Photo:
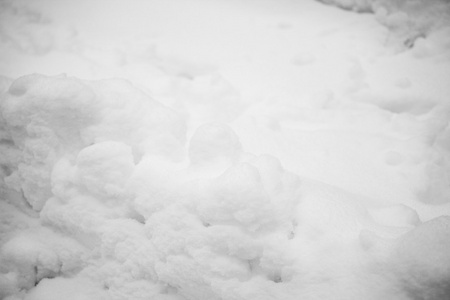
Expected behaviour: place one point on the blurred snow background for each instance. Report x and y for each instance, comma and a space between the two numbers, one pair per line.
224, 149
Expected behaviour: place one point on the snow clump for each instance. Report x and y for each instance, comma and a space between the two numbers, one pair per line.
124, 204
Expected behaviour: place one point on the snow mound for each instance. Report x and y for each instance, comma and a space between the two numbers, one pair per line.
51, 118
127, 205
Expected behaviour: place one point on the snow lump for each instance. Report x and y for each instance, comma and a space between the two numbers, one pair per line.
121, 203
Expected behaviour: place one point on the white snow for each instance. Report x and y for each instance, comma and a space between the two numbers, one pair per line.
224, 150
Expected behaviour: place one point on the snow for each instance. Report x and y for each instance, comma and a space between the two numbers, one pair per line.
224, 150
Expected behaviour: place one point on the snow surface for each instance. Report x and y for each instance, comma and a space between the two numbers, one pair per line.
218, 150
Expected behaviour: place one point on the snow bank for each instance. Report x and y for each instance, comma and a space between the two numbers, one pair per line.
133, 208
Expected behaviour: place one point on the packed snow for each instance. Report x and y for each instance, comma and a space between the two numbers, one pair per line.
225, 149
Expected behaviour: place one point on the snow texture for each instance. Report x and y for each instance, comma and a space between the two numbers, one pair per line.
223, 226
408, 20
308, 162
